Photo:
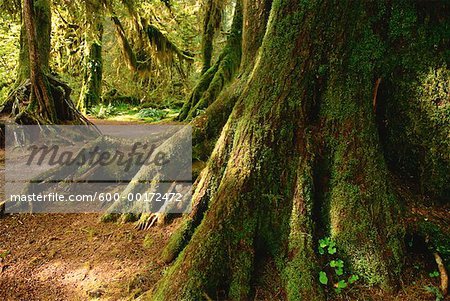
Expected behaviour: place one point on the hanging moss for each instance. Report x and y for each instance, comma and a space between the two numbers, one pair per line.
221, 73
91, 92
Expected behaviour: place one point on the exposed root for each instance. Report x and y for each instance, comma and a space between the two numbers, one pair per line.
148, 220
22, 108
443, 273
2, 209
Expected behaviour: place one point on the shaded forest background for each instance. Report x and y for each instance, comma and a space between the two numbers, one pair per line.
163, 84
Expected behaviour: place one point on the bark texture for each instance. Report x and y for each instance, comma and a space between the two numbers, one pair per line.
298, 159
211, 23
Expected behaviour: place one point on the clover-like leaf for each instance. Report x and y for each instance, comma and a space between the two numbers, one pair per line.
323, 278
353, 278
434, 274
339, 286
331, 250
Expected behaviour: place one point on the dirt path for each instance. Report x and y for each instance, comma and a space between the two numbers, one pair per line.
74, 257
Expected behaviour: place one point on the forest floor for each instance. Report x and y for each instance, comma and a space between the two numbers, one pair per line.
76, 257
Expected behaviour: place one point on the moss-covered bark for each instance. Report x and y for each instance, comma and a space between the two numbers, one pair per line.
413, 102
91, 92
211, 22
299, 159
207, 126
42, 13
220, 74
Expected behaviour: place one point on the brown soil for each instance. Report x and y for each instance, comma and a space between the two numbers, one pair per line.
75, 257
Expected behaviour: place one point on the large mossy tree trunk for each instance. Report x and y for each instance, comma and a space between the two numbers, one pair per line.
299, 159
38, 97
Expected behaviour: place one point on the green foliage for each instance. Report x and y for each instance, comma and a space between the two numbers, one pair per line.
9, 52
326, 245
123, 111
435, 291
103, 111
167, 76
339, 279
323, 278
434, 274
338, 266
155, 114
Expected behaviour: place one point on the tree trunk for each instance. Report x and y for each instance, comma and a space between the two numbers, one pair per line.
91, 92
39, 98
211, 23
220, 74
40, 94
298, 160
207, 127
42, 14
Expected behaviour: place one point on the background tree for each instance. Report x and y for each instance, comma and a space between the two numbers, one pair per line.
91, 91
222, 72
39, 98
211, 22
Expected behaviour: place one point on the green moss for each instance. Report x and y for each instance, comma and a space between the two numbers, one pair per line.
178, 241
148, 241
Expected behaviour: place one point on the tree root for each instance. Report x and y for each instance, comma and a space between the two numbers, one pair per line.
147, 220
22, 108
442, 272
2, 209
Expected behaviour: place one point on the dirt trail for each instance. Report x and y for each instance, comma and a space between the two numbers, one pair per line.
74, 257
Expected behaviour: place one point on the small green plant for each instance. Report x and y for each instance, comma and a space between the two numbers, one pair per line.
435, 291
326, 245
434, 274
335, 267
152, 113
102, 111
323, 278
